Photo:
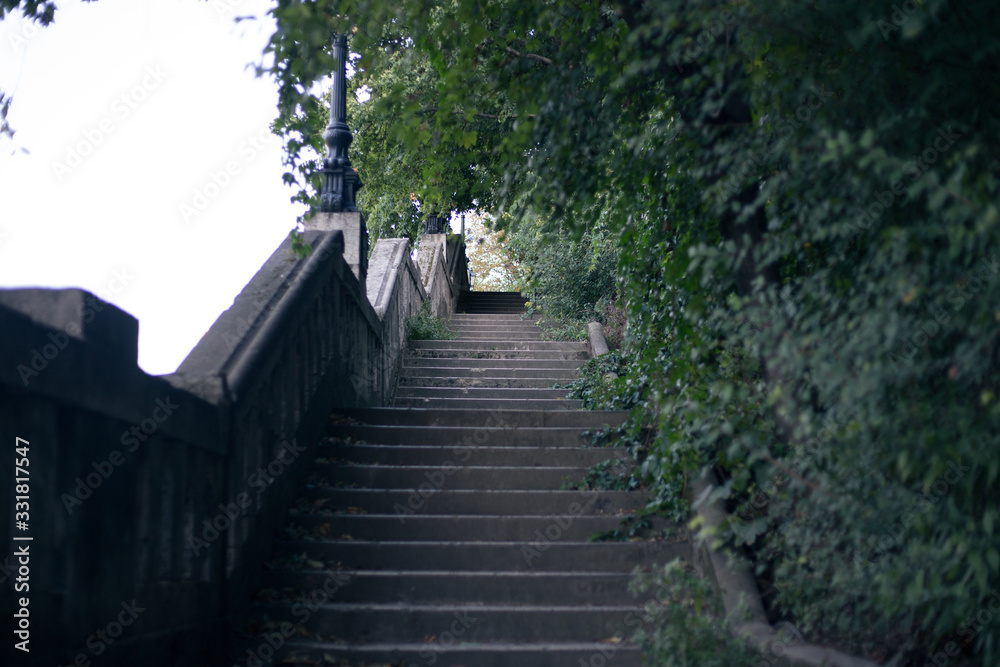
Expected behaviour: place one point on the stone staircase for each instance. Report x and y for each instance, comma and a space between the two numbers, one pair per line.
498, 360
435, 532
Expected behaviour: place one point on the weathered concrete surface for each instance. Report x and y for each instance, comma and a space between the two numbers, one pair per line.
598, 343
163, 493
118, 463
444, 278
396, 292
352, 225
75, 312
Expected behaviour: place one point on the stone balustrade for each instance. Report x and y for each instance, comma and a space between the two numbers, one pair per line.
153, 500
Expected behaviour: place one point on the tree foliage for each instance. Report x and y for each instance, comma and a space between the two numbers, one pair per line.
497, 269
803, 203
803, 198
569, 279
418, 153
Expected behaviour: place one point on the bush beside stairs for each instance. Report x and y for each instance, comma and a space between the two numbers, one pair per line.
435, 532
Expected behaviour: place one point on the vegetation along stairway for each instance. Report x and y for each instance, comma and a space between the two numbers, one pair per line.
435, 532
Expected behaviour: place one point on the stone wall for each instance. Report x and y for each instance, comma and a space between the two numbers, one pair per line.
445, 270
153, 500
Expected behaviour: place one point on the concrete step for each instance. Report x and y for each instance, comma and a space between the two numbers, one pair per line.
449, 528
493, 297
489, 310
490, 317
473, 364
486, 299
480, 392
561, 375
404, 586
474, 354
499, 302
488, 403
494, 418
444, 651
498, 344
430, 498
497, 326
545, 556
466, 441
494, 335
436, 454
446, 380
371, 622
364, 476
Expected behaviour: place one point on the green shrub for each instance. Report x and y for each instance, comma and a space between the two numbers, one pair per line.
609, 475
424, 326
603, 383
566, 278
688, 625
561, 330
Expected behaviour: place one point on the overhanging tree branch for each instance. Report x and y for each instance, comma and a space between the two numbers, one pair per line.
531, 56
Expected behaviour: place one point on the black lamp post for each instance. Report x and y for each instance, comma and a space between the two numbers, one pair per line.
341, 182
434, 225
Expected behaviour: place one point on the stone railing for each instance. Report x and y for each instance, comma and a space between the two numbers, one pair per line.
444, 268
153, 500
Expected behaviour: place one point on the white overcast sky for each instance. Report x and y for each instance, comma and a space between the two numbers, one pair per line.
126, 109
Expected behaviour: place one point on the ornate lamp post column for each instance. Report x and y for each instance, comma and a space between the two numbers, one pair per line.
342, 182
338, 210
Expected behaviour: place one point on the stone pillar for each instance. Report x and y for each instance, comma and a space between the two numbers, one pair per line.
352, 224
425, 257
